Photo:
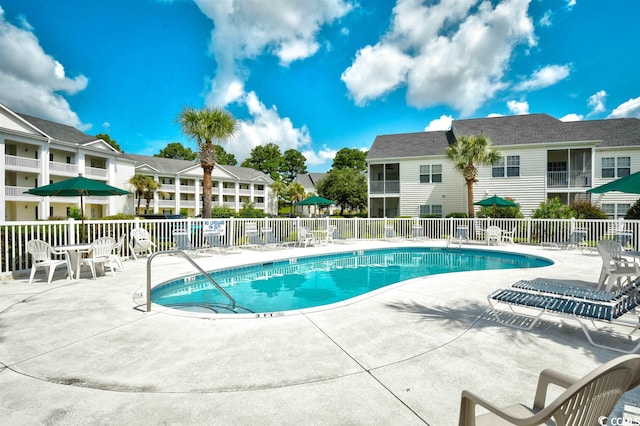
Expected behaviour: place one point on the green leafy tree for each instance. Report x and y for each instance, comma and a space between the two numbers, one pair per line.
350, 158
105, 137
501, 212
225, 158
347, 187
267, 159
177, 151
293, 164
279, 189
207, 126
248, 210
467, 154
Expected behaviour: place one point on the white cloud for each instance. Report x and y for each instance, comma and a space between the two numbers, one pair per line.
596, 102
572, 117
630, 108
518, 108
442, 123
453, 52
545, 77
245, 29
570, 4
323, 156
545, 21
31, 80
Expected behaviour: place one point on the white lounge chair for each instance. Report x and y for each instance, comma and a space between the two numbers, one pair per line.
533, 300
586, 401
577, 238
41, 257
182, 241
305, 237
140, 242
99, 254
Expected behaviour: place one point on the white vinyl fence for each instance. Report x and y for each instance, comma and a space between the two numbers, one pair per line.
14, 235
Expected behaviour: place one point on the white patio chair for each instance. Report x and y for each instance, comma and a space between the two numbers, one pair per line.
507, 236
116, 254
140, 242
99, 254
493, 233
614, 266
41, 254
305, 237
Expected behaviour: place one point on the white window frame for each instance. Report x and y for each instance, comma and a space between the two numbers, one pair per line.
615, 211
430, 173
621, 167
508, 168
430, 209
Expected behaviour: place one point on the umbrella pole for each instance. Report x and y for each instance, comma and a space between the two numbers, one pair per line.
82, 236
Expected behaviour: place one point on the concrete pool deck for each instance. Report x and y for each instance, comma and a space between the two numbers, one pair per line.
85, 352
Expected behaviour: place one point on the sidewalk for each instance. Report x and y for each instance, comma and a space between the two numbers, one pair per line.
83, 352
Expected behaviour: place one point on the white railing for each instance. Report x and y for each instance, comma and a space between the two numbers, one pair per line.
63, 167
17, 192
14, 235
568, 179
96, 172
22, 162
384, 187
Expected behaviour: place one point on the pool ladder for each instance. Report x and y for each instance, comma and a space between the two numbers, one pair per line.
195, 265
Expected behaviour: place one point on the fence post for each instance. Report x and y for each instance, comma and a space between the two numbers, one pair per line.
71, 231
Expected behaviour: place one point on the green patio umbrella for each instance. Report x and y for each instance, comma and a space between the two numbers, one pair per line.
77, 187
315, 201
496, 202
629, 184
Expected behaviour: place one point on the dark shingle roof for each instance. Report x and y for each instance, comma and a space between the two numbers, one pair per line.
511, 130
172, 166
410, 145
58, 131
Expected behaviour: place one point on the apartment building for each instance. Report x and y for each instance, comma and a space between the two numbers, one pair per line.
542, 157
181, 186
37, 152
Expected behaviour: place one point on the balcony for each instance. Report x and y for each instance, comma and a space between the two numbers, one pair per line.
166, 203
168, 187
96, 172
568, 179
384, 187
187, 203
13, 162
16, 193
63, 168
188, 188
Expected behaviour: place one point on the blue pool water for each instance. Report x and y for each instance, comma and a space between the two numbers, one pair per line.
307, 282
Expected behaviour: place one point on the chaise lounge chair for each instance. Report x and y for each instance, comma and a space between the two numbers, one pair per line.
586, 401
577, 238
571, 303
182, 241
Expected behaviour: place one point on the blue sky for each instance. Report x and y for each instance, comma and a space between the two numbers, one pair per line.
316, 75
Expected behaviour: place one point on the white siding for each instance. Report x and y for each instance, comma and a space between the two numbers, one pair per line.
8, 122
614, 197
450, 193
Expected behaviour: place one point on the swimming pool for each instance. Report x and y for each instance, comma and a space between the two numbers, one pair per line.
312, 281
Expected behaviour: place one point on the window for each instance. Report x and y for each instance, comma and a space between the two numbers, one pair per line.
616, 167
68, 160
431, 210
431, 173
615, 211
50, 157
509, 169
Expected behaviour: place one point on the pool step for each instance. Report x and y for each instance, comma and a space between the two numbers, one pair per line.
212, 308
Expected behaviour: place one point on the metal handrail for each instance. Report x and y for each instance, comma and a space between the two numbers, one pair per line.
195, 265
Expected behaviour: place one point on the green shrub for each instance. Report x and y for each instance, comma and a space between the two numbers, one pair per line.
634, 211
120, 216
455, 215
586, 210
249, 211
553, 209
222, 212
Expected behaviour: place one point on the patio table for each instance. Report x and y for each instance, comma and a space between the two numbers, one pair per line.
75, 252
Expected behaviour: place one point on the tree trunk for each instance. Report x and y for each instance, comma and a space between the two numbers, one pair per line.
206, 191
470, 198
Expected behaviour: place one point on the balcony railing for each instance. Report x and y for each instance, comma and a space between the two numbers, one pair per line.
17, 192
384, 187
568, 179
94, 171
67, 168
14, 161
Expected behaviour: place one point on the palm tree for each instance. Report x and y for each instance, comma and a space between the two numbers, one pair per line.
139, 184
150, 189
468, 153
278, 188
295, 192
206, 126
